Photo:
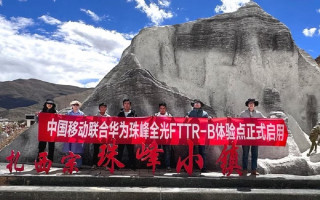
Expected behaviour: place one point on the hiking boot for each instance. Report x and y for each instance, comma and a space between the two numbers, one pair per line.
244, 172
254, 173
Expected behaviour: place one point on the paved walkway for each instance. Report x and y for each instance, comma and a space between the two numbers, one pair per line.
145, 177
142, 184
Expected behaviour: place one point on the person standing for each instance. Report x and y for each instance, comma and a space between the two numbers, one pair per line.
251, 112
197, 111
126, 111
76, 148
166, 148
96, 147
48, 107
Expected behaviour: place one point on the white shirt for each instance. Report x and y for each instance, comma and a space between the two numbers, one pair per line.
160, 115
105, 114
127, 113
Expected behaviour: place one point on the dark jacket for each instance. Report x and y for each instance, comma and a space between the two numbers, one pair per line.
198, 113
131, 114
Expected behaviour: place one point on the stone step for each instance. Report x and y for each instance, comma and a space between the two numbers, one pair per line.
142, 184
205, 180
152, 193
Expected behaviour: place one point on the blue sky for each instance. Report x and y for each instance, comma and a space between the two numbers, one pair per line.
77, 42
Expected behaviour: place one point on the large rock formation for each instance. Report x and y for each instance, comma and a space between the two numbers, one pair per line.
222, 60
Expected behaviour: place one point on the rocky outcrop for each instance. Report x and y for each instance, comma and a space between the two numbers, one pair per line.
318, 60
223, 60
144, 91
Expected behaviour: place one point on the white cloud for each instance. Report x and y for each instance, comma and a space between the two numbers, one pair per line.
75, 52
23, 0
318, 10
309, 32
91, 14
164, 3
0, 2
230, 5
19, 23
153, 11
49, 20
108, 42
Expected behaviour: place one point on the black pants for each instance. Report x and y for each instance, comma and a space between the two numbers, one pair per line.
96, 149
42, 147
202, 152
130, 149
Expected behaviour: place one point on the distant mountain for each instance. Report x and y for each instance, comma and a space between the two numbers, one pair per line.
23, 96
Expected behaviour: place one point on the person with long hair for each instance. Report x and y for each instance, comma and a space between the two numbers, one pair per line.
48, 107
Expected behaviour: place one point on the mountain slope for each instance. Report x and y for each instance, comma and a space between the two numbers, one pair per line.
22, 96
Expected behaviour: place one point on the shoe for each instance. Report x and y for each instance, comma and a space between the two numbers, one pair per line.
254, 173
203, 170
308, 154
244, 173
94, 167
168, 169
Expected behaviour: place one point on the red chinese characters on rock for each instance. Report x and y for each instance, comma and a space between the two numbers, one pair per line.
71, 164
44, 164
228, 166
151, 153
109, 152
13, 159
189, 166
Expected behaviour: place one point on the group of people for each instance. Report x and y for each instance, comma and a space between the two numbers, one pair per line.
197, 111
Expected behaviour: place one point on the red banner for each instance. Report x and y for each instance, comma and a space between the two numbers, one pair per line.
163, 130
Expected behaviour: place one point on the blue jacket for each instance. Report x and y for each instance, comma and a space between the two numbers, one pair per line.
195, 112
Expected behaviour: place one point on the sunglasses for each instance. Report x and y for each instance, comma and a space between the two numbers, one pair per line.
75, 104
